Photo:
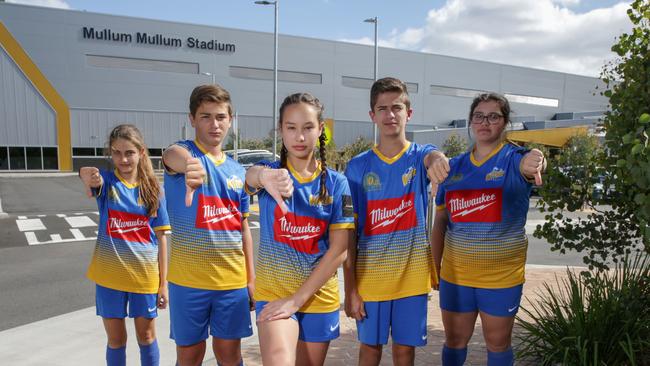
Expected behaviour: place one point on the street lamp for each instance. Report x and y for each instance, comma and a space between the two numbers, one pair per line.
375, 20
275, 73
209, 74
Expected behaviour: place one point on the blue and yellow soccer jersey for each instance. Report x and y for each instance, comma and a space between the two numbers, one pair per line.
390, 202
291, 246
126, 253
206, 242
487, 204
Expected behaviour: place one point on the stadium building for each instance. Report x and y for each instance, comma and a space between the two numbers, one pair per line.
69, 76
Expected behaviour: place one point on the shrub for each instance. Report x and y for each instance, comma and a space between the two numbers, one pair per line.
602, 319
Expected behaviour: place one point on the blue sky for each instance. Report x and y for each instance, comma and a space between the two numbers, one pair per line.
562, 35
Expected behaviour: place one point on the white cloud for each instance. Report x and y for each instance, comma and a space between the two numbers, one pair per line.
61, 4
542, 34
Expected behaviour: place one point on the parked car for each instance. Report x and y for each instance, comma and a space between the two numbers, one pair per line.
251, 158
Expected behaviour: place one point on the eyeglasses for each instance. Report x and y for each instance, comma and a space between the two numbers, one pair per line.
492, 118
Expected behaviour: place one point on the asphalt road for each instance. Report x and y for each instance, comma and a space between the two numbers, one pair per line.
47, 240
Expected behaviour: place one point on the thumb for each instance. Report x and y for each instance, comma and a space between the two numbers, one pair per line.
538, 178
280, 201
189, 195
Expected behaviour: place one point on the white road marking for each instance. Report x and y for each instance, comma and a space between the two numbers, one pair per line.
80, 221
30, 224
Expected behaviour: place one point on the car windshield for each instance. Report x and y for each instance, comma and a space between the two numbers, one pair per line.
255, 158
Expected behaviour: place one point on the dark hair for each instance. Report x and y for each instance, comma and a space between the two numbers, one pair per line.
491, 97
149, 189
503, 103
322, 139
209, 93
386, 85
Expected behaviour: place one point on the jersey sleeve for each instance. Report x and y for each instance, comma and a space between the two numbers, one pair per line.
440, 197
161, 221
244, 203
342, 209
354, 184
102, 192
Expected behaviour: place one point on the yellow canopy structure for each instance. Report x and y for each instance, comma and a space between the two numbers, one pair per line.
556, 137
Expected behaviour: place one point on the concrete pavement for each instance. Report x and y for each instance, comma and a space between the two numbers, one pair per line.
78, 338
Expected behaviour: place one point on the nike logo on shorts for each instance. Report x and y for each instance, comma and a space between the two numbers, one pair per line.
510, 310
424, 337
333, 327
151, 309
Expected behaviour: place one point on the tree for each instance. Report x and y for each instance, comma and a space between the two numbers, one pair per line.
454, 145
619, 221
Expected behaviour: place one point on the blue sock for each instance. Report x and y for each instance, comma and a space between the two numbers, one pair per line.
505, 358
115, 356
150, 354
453, 356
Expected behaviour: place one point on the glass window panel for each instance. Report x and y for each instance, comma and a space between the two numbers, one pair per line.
34, 158
113, 62
366, 83
283, 75
527, 99
454, 92
83, 151
17, 158
155, 152
99, 151
50, 158
4, 158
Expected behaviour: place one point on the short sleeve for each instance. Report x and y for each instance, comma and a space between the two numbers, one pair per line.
161, 221
101, 192
342, 208
244, 203
353, 187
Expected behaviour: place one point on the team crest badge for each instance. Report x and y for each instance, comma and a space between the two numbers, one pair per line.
371, 182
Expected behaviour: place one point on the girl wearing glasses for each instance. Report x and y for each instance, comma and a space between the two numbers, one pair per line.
478, 241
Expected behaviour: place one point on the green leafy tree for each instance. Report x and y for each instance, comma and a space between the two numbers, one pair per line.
454, 145
619, 220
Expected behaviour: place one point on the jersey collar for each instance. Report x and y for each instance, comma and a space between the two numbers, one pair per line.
216, 161
127, 184
299, 178
388, 160
491, 154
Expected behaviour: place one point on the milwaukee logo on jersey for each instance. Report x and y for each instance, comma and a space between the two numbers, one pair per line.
299, 232
475, 205
128, 226
386, 216
216, 213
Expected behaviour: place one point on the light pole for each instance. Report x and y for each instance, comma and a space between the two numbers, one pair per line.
275, 73
209, 74
375, 20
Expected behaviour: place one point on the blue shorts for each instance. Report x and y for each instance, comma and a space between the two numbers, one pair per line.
496, 302
112, 303
405, 318
193, 310
313, 327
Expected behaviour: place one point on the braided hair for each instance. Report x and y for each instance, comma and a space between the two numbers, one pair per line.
308, 99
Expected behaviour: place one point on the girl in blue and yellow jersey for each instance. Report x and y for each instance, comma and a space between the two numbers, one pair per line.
129, 264
302, 241
478, 241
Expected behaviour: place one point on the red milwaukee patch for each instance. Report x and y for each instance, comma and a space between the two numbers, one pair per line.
299, 232
474, 205
393, 214
128, 226
216, 213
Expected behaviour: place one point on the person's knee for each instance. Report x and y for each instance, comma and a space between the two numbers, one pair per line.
190, 355
497, 342
402, 354
370, 354
228, 355
117, 340
457, 339
145, 336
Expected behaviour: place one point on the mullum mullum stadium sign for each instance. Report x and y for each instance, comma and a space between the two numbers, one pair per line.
144, 38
